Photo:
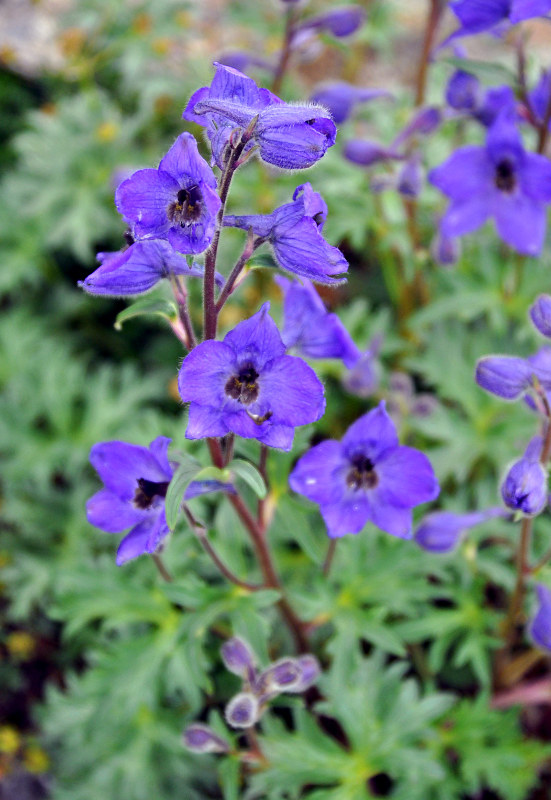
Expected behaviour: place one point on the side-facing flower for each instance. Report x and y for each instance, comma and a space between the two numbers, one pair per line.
500, 180
136, 480
509, 377
367, 477
441, 531
139, 268
199, 738
295, 232
287, 136
177, 201
309, 329
540, 314
540, 627
476, 16
247, 385
525, 486
464, 91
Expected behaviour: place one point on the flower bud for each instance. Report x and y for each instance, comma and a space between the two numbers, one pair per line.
441, 531
464, 92
281, 676
367, 153
238, 657
422, 123
540, 314
310, 671
525, 486
243, 710
200, 738
341, 22
445, 250
506, 376
540, 627
410, 179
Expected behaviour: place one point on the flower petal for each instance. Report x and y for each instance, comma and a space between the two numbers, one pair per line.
295, 392
205, 372
371, 434
108, 512
205, 421
467, 172
256, 337
319, 473
143, 200
120, 464
183, 161
135, 543
521, 223
406, 478
391, 518
348, 516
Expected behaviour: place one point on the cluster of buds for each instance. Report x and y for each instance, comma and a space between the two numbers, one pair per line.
293, 675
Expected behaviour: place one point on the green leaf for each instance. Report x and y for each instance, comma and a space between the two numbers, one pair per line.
252, 477
145, 307
488, 72
214, 474
183, 476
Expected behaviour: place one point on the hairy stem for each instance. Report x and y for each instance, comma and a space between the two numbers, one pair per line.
523, 569
250, 246
180, 295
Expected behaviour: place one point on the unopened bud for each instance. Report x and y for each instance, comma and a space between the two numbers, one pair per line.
238, 657
200, 738
243, 710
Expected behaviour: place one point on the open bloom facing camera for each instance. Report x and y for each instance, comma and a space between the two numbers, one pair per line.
246, 384
367, 477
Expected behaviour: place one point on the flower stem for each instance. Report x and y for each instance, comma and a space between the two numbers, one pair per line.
201, 534
250, 246
180, 295
523, 570
435, 11
163, 572
544, 129
329, 557
286, 49
271, 579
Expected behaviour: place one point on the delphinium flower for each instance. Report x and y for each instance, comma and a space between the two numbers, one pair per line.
476, 16
309, 329
295, 233
441, 531
525, 486
367, 477
540, 314
540, 626
540, 97
177, 201
341, 98
139, 268
246, 384
287, 136
500, 180
465, 93
509, 377
136, 480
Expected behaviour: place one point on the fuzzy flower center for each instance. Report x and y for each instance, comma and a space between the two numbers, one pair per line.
505, 178
362, 474
243, 386
187, 207
147, 491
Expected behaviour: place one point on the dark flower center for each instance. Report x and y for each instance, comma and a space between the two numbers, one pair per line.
243, 386
187, 207
318, 218
362, 474
128, 237
147, 491
505, 176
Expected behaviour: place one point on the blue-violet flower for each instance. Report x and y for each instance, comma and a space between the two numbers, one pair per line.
368, 477
248, 385
525, 486
440, 531
540, 627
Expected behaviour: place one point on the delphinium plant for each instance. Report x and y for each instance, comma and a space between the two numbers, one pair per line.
297, 665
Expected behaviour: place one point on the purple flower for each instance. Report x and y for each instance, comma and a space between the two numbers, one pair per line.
464, 91
540, 627
341, 22
368, 477
295, 233
509, 377
310, 329
440, 531
495, 102
228, 85
445, 251
364, 376
199, 738
366, 153
248, 385
482, 15
500, 180
177, 201
136, 481
139, 268
540, 97
287, 136
540, 314
423, 123
525, 486
340, 98
410, 178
